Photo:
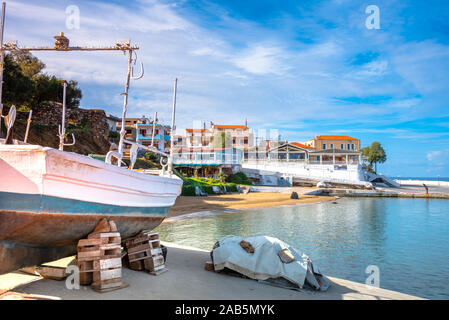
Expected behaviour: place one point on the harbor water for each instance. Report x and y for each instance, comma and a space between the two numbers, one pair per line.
406, 239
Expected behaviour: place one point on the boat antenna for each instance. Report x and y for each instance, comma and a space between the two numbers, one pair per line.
129, 76
173, 128
62, 126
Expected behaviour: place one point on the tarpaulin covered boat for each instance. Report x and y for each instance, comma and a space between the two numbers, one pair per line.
268, 259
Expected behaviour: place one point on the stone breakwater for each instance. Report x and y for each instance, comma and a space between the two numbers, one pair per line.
377, 193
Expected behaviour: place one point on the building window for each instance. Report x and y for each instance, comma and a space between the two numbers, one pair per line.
352, 147
324, 146
332, 145
342, 146
245, 141
349, 146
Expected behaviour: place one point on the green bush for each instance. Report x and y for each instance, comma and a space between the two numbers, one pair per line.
206, 184
188, 190
240, 178
208, 189
231, 187
114, 136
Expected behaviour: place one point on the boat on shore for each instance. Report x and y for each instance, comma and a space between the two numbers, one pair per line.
49, 199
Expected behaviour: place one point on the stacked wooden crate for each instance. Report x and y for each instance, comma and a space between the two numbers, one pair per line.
145, 252
99, 259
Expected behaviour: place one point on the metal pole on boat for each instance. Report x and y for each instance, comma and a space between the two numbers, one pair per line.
2, 60
62, 129
28, 126
173, 128
125, 105
154, 128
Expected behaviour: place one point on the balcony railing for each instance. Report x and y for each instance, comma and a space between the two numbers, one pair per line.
207, 158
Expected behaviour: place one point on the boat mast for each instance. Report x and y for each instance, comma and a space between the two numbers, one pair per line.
2, 60
173, 128
129, 76
125, 106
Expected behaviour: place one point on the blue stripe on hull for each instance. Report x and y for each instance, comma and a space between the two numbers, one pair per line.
48, 204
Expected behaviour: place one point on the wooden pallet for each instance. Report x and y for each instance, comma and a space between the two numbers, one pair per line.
99, 258
145, 253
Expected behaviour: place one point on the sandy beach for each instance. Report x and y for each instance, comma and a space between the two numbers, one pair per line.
185, 205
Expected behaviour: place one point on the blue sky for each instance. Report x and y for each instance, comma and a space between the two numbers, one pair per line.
301, 67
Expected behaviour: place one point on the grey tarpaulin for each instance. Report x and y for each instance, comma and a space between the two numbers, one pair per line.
265, 263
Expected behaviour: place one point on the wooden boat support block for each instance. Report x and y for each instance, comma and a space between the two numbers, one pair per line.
153, 236
124, 285
139, 248
105, 264
89, 254
92, 242
103, 235
136, 265
107, 284
85, 266
159, 271
135, 241
86, 278
112, 237
89, 248
139, 255
142, 237
156, 252
110, 274
110, 246
154, 263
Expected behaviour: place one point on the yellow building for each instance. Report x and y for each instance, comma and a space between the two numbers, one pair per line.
334, 150
334, 142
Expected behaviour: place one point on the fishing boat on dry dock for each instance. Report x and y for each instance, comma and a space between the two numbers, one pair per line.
49, 199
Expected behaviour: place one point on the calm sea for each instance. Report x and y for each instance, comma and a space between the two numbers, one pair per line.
407, 239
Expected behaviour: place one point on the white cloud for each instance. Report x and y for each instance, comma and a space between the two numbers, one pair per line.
438, 158
261, 60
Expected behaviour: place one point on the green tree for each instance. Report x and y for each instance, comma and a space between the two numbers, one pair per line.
375, 153
27, 87
29, 64
17, 87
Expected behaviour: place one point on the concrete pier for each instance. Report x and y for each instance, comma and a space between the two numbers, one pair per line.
187, 279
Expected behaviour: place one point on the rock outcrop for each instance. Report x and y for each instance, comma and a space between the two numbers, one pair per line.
88, 125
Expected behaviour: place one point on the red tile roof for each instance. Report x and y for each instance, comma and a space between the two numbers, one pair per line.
335, 138
197, 130
221, 126
300, 145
